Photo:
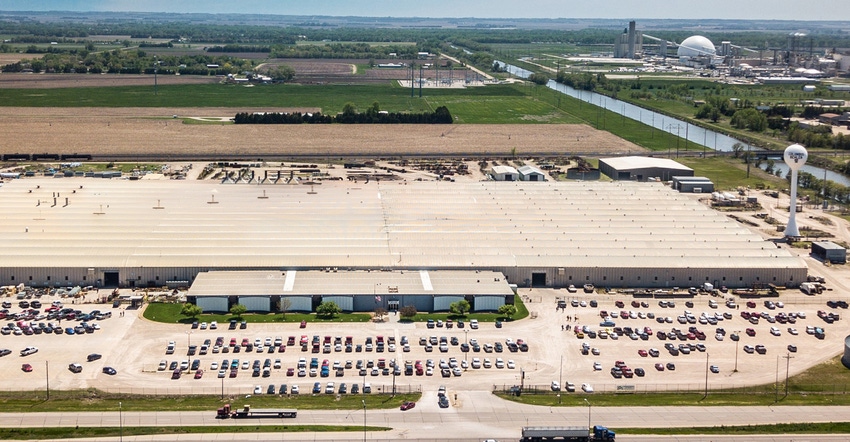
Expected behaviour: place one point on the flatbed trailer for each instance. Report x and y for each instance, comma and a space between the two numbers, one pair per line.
572, 434
226, 412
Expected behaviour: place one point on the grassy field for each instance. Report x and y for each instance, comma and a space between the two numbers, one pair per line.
802, 428
492, 104
826, 378
113, 432
170, 314
96, 400
729, 173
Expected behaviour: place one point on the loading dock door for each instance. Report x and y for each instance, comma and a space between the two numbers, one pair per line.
110, 279
538, 279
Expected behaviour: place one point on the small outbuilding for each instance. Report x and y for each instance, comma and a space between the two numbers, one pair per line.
693, 184
504, 173
531, 173
829, 251
643, 168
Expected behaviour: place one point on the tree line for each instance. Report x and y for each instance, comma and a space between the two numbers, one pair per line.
441, 115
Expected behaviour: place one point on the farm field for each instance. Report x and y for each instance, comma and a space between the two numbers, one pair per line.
117, 131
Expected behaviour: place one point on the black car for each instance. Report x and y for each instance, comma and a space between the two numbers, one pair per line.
109, 370
232, 325
498, 324
93, 357
443, 402
282, 389
243, 325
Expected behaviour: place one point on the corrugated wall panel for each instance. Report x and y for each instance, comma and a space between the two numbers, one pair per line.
441, 303
213, 303
256, 303
488, 303
346, 303
299, 303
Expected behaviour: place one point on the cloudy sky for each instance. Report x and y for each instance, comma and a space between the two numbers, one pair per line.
625, 9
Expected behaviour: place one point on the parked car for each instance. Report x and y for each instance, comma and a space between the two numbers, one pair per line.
407, 405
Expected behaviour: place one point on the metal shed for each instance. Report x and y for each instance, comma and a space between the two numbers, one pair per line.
531, 173
504, 173
642, 168
829, 251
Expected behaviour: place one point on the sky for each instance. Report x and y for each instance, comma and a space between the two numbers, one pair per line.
615, 9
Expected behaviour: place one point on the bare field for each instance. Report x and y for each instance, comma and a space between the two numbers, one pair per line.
54, 81
152, 132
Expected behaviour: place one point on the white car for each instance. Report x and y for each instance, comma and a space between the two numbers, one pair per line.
775, 331
587, 388
277, 363
556, 386
214, 366
487, 363
511, 364
258, 389
500, 363
597, 366
476, 363
294, 390
792, 330
473, 324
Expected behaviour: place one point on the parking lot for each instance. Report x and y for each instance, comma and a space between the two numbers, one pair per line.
135, 348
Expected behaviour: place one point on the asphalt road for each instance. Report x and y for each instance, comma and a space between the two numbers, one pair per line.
482, 416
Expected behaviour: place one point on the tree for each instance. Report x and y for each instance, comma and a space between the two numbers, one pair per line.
507, 310
328, 309
285, 305
349, 109
380, 312
737, 148
238, 310
408, 311
282, 73
459, 307
191, 310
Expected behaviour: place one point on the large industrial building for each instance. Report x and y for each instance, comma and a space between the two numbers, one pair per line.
643, 168
360, 291
150, 233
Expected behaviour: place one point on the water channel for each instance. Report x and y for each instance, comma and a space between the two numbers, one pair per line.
695, 134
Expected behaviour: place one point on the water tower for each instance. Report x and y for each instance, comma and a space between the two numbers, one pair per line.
795, 157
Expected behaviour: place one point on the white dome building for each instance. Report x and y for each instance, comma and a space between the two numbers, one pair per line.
696, 48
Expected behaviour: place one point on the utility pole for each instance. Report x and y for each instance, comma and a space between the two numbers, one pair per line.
47, 377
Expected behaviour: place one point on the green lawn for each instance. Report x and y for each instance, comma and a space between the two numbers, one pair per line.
170, 314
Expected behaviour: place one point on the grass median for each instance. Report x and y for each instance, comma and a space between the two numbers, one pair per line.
96, 400
86, 432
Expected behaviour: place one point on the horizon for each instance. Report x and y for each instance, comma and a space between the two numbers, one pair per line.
779, 10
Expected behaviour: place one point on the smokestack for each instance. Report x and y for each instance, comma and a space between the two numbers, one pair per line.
632, 39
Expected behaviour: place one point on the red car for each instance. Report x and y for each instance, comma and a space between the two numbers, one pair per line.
290, 371
659, 366
643, 353
26, 367
751, 332
303, 324
199, 374
407, 406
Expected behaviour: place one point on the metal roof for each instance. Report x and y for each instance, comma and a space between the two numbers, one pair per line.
108, 223
353, 283
635, 162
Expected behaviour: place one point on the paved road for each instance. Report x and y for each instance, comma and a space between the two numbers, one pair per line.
481, 416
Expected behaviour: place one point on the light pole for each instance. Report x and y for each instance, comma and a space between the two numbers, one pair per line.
788, 358
560, 377
189, 338
588, 413
47, 377
466, 341
737, 344
706, 376
120, 422
364, 420
222, 387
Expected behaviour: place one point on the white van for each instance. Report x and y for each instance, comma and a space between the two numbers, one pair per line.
473, 324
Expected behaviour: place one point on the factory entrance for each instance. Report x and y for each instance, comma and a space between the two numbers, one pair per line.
110, 279
538, 279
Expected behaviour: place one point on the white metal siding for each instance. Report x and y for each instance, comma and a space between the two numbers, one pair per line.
299, 303
488, 303
441, 303
346, 303
256, 303
213, 303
